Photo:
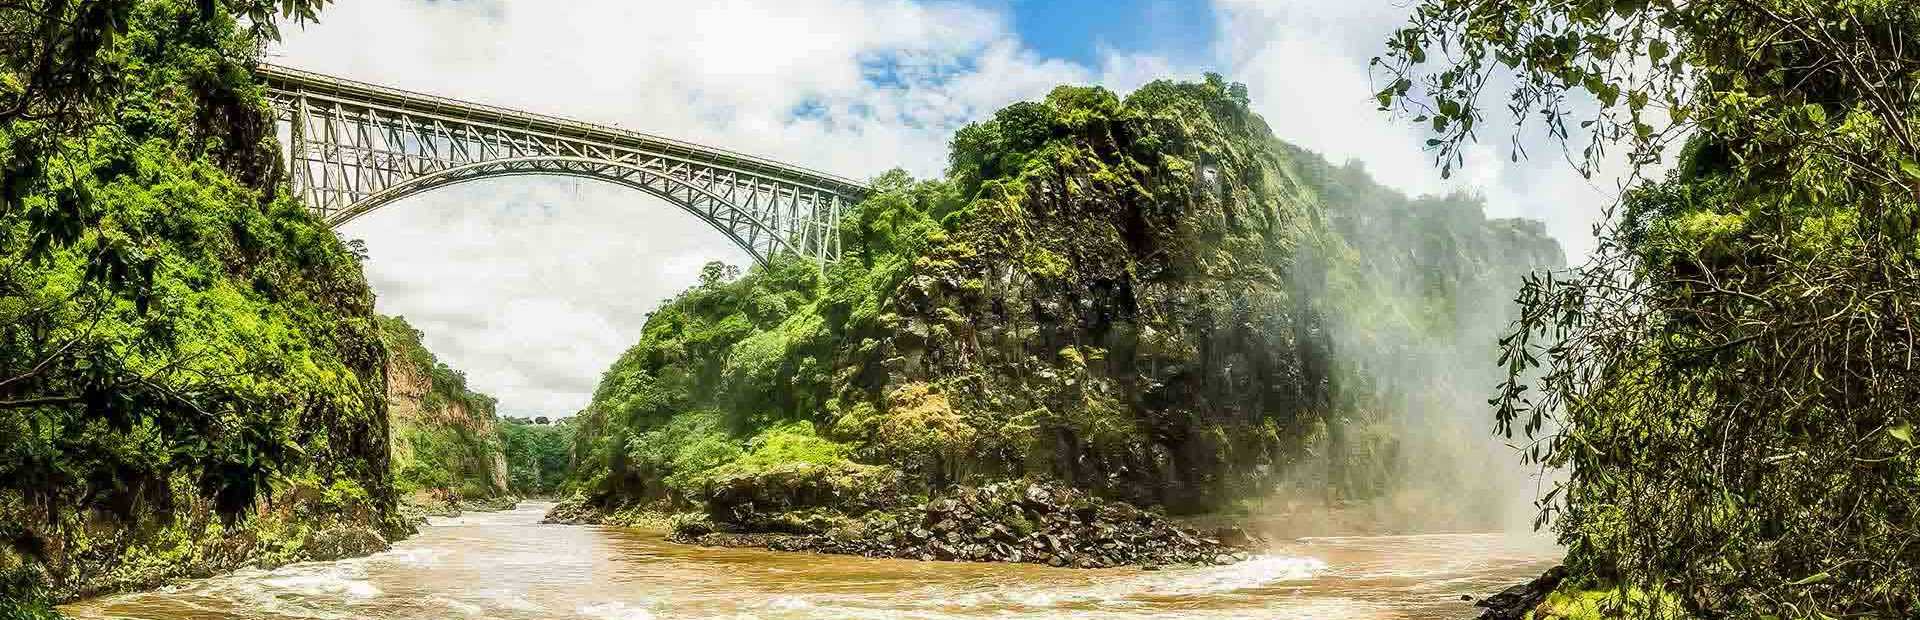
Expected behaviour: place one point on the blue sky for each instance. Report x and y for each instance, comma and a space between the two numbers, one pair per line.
1077, 30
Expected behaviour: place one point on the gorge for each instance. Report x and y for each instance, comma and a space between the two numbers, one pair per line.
1142, 306
1127, 355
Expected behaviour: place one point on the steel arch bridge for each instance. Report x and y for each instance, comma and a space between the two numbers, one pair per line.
353, 147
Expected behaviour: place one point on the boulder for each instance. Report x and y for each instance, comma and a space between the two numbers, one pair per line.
1518, 601
574, 511
344, 541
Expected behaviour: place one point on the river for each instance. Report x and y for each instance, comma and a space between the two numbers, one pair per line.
508, 565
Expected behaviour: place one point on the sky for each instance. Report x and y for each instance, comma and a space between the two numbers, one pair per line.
534, 286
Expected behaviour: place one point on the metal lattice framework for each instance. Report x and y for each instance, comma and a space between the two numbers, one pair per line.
354, 147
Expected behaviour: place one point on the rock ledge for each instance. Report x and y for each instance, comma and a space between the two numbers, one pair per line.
1002, 522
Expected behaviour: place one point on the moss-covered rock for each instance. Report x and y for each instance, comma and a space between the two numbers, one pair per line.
1039, 523
1148, 299
345, 541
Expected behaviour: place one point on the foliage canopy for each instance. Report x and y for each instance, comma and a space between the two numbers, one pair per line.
176, 338
1728, 380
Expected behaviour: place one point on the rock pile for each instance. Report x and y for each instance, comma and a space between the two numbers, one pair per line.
573, 510
1003, 522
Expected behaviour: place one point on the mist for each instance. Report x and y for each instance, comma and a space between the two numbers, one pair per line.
1413, 295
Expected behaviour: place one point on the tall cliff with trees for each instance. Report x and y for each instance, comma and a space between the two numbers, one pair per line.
1149, 298
1728, 382
191, 376
446, 445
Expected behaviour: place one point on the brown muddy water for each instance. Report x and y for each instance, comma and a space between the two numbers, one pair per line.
508, 565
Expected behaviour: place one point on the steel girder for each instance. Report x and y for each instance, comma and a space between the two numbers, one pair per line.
354, 147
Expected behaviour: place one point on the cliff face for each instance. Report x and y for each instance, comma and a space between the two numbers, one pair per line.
1149, 298
445, 445
189, 358
1114, 308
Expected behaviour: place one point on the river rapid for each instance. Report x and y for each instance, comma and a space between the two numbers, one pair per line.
508, 565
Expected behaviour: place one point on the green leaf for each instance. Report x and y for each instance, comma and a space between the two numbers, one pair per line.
1903, 432
1912, 169
1819, 577
1816, 114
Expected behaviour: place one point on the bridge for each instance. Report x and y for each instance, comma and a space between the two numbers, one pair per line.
353, 147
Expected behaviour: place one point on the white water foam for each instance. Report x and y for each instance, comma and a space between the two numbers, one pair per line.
789, 603
508, 599
1255, 572
1131, 590
341, 579
615, 610
463, 607
412, 556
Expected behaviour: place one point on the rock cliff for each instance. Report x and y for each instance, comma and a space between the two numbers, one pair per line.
445, 446
1151, 299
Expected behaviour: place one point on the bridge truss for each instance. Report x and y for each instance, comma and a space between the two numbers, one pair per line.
354, 147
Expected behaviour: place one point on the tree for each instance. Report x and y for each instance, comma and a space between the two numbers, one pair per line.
174, 333
61, 54
537, 455
1727, 379
715, 272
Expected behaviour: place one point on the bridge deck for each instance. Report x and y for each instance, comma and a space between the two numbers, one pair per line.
292, 80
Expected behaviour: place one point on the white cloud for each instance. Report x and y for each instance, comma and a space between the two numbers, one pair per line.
534, 286
1305, 63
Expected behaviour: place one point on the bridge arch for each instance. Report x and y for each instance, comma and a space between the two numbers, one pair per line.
742, 228
353, 147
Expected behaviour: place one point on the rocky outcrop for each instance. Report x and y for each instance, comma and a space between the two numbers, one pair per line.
446, 449
1518, 602
574, 510
344, 542
1150, 300
1004, 522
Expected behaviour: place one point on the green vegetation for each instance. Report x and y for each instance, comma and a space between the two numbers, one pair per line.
441, 386
445, 447
1597, 603
1728, 382
185, 355
536, 453
1149, 298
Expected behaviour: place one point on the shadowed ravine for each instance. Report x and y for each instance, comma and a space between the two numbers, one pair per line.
508, 565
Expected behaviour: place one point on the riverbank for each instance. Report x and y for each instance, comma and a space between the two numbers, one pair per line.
1524, 600
132, 560
266, 541
1559, 595
508, 566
